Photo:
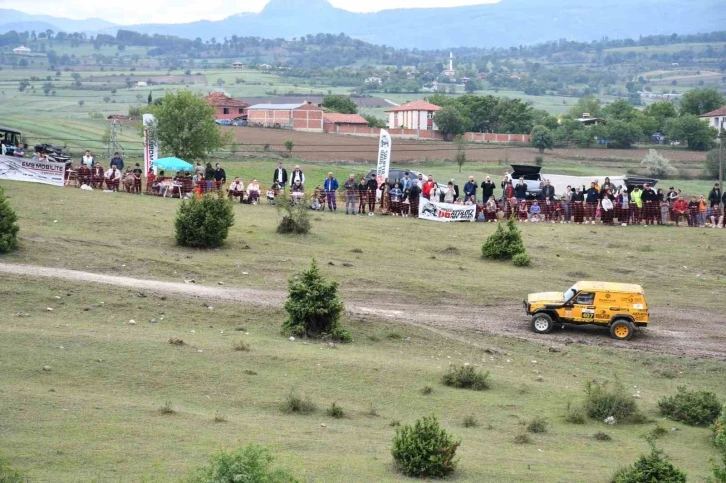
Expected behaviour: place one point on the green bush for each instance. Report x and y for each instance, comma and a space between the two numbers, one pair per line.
719, 440
651, 468
575, 414
712, 162
295, 216
313, 307
603, 401
466, 377
8, 225
697, 408
424, 449
296, 405
203, 223
537, 425
538, 160
521, 260
504, 244
249, 464
335, 411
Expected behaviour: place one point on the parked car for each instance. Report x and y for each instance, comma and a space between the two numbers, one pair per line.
619, 306
398, 173
10, 138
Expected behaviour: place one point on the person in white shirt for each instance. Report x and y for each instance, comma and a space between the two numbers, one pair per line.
253, 192
113, 176
236, 190
87, 160
297, 175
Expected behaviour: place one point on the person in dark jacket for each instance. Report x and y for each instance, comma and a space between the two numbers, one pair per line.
220, 176
714, 197
414, 195
650, 205
548, 191
117, 161
330, 186
592, 197
371, 189
487, 189
470, 189
280, 176
362, 196
520, 190
578, 206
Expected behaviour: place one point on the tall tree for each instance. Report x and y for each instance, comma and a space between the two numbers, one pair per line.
341, 104
451, 122
701, 101
185, 126
689, 128
542, 138
661, 111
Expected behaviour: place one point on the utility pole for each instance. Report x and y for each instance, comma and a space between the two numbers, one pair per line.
720, 160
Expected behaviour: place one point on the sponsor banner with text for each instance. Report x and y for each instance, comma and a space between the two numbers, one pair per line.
24, 169
384, 156
151, 147
435, 211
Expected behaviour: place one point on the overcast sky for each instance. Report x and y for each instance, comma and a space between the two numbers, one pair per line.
178, 11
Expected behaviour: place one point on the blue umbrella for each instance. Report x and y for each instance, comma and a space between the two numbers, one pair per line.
173, 164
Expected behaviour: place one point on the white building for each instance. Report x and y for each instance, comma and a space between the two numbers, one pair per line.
716, 119
414, 115
21, 50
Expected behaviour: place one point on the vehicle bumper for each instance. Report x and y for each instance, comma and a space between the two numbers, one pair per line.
526, 307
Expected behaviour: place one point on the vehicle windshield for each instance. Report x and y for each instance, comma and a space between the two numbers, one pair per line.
569, 294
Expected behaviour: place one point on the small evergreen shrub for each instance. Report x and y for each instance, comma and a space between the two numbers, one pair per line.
603, 401
521, 260
296, 405
8, 225
504, 244
537, 425
655, 467
249, 464
697, 408
295, 216
466, 377
203, 223
335, 411
424, 449
313, 307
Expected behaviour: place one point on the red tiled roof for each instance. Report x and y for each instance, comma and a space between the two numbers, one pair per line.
717, 112
336, 118
219, 99
416, 106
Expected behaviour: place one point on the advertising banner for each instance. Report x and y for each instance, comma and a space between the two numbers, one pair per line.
384, 156
23, 169
151, 147
435, 211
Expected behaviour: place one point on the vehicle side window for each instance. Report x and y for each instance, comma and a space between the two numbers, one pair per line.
585, 298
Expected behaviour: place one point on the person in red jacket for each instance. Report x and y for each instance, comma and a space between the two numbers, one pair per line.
680, 209
428, 185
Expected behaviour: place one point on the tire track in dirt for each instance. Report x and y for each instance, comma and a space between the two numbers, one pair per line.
693, 333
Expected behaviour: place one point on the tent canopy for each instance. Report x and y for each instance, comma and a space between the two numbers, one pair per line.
173, 164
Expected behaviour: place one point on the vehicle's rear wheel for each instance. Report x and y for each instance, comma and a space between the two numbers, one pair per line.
621, 329
542, 323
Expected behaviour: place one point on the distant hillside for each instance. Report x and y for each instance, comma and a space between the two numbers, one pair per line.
507, 23
20, 21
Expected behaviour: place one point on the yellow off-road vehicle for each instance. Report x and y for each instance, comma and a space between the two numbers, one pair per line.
621, 306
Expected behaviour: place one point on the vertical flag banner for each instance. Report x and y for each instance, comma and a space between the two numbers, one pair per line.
384, 156
151, 147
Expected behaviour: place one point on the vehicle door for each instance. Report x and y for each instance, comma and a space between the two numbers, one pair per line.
582, 307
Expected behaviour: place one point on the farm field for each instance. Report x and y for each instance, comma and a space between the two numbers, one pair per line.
418, 297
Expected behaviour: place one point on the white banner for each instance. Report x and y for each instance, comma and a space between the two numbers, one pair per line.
151, 147
24, 169
435, 211
384, 156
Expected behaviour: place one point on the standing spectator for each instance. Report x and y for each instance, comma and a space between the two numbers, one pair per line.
608, 184
385, 189
548, 209
427, 186
414, 196
138, 172
435, 193
350, 189
487, 189
220, 177
673, 196
650, 205
680, 209
396, 195
208, 177
117, 161
520, 191
253, 192
592, 196
566, 204
509, 190
470, 188
87, 160
450, 195
456, 190
371, 190
607, 206
491, 209
406, 182
623, 206
199, 171
280, 176
665, 207
714, 197
363, 196
506, 179
236, 190
419, 182
331, 187
636, 202
297, 175
702, 207
578, 208
693, 216
548, 191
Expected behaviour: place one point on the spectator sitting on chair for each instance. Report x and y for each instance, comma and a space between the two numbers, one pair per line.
491, 208
317, 202
297, 191
716, 216
236, 190
693, 216
253, 191
680, 209
523, 212
220, 177
19, 151
113, 176
129, 180
535, 212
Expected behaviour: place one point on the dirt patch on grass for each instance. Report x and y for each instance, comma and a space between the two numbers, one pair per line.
687, 332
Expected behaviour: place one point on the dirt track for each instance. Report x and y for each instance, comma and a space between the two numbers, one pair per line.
674, 331
332, 147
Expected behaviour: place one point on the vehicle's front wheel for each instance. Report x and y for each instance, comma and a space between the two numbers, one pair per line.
621, 329
542, 323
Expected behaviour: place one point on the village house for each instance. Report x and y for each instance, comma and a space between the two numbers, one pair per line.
716, 119
21, 50
335, 123
374, 80
414, 115
238, 65
299, 117
227, 107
